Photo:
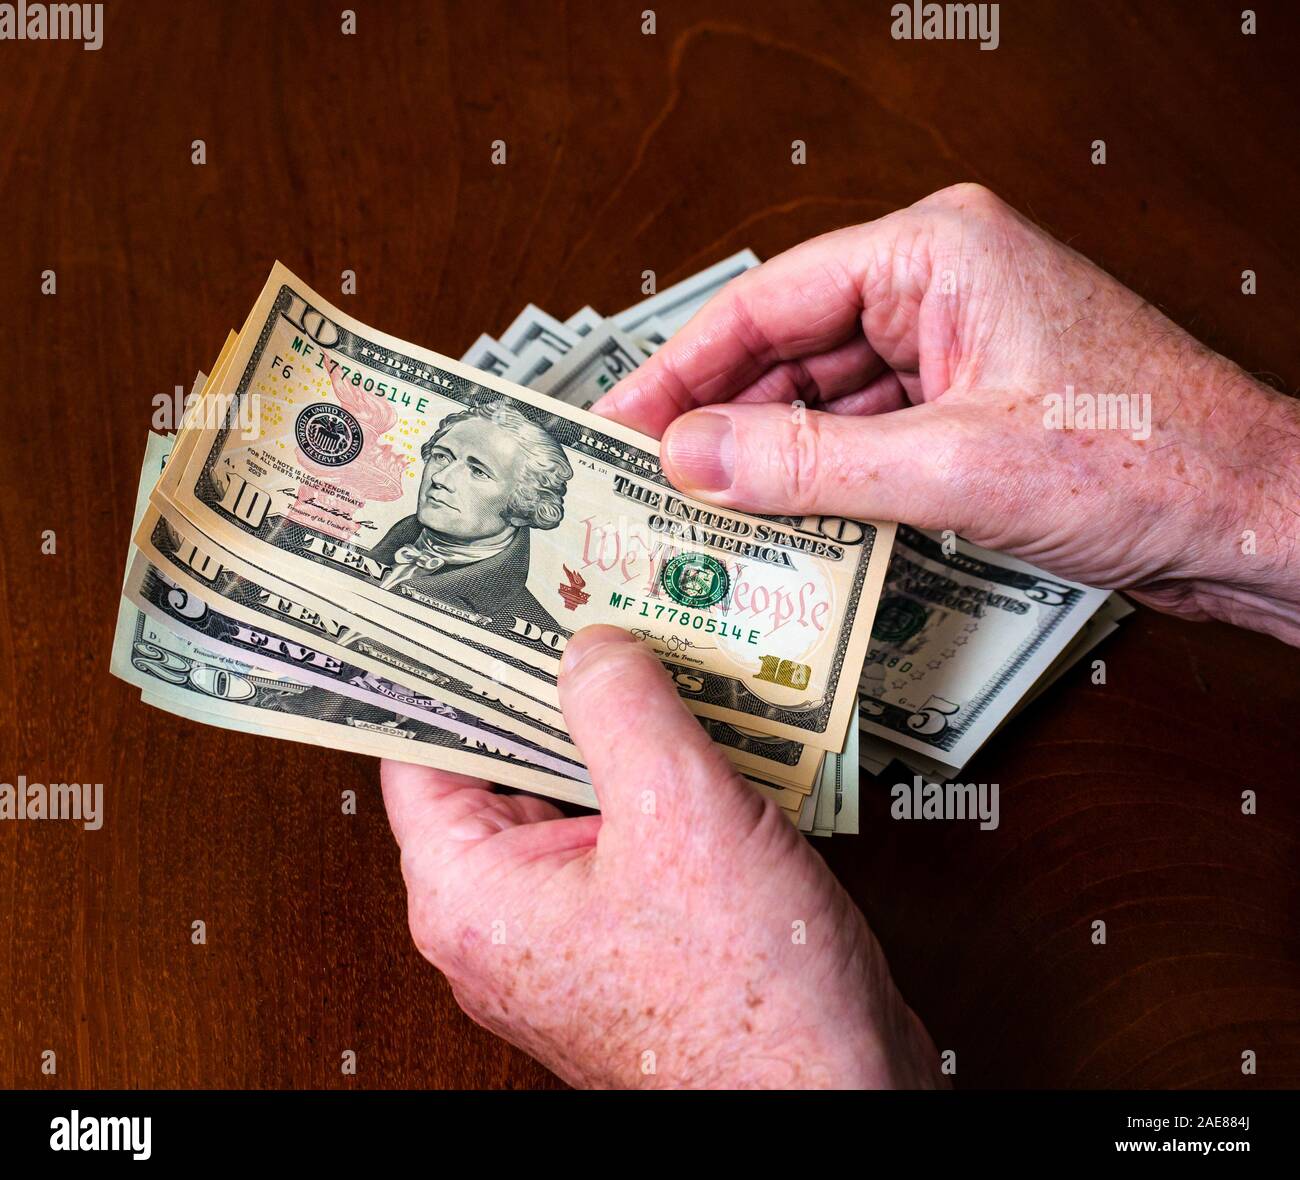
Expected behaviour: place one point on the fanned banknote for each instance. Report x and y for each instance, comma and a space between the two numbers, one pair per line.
387, 474
219, 601
200, 681
321, 562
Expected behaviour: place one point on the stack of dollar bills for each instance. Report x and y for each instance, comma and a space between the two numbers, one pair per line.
355, 542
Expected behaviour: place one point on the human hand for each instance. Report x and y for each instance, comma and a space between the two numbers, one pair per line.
932, 339
659, 943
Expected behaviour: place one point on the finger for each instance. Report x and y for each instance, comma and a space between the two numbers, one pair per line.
527, 843
816, 380
412, 795
883, 394
432, 810
530, 809
436, 816
905, 465
842, 370
416, 799
806, 302
647, 755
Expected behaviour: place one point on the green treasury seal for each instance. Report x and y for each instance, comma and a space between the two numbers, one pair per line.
695, 579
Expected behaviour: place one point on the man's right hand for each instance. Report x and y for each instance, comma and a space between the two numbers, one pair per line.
931, 341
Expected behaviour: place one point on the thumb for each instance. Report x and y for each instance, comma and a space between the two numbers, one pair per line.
652, 764
787, 460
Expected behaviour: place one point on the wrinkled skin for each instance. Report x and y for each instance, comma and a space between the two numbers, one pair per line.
689, 920
932, 338
669, 925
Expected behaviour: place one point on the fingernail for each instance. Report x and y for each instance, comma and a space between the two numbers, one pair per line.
586, 641
700, 449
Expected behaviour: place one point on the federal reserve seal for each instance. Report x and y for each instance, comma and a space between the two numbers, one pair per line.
328, 434
695, 579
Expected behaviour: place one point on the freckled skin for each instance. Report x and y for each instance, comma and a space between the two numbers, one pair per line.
929, 345
929, 339
629, 934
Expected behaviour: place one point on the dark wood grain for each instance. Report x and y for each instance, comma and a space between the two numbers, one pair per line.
626, 152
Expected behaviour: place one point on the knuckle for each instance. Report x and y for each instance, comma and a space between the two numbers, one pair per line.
443, 936
611, 669
423, 919
672, 385
971, 195
739, 294
475, 1006
898, 273
453, 945
799, 461
763, 826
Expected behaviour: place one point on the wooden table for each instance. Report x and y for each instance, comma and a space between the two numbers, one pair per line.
625, 152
